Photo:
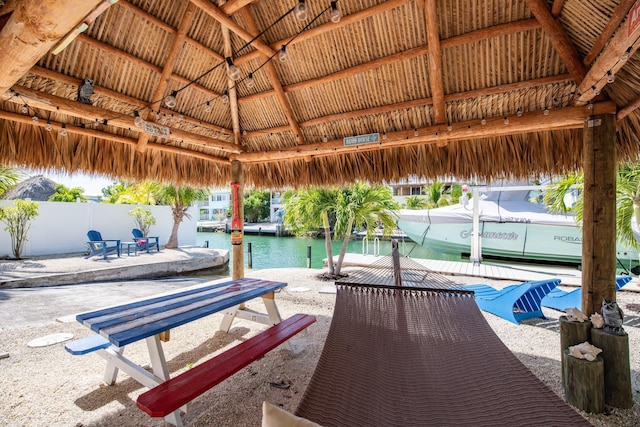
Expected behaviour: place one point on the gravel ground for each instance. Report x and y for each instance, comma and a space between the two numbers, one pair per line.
47, 386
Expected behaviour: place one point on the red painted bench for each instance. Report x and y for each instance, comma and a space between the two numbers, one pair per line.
176, 392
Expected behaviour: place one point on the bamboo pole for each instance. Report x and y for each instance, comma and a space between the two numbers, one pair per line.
237, 250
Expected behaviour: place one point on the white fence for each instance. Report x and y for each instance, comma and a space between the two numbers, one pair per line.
61, 228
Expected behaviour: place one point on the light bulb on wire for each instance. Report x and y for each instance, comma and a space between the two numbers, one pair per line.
225, 97
171, 101
25, 109
232, 71
610, 77
63, 130
49, 127
250, 81
300, 11
207, 109
35, 118
282, 55
137, 119
336, 14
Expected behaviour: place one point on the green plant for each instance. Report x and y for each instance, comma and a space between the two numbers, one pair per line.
17, 219
144, 219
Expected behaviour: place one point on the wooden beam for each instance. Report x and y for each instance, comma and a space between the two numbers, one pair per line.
233, 93
21, 118
614, 23
556, 8
558, 119
631, 107
424, 101
559, 39
34, 27
474, 36
91, 113
224, 20
232, 6
167, 71
435, 61
275, 83
610, 61
120, 97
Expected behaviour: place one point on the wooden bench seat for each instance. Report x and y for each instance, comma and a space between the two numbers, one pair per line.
176, 392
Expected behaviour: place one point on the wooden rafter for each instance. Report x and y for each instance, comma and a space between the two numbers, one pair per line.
232, 92
558, 119
435, 61
120, 97
32, 30
232, 6
608, 63
614, 23
559, 39
91, 113
556, 8
275, 83
631, 107
167, 71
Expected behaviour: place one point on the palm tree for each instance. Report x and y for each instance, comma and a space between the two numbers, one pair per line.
9, 176
308, 209
179, 198
627, 200
66, 194
415, 202
437, 195
363, 206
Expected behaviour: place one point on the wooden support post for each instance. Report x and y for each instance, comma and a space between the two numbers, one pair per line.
617, 368
599, 220
571, 333
585, 383
237, 250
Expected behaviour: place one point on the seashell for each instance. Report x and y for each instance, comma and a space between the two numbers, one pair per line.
597, 321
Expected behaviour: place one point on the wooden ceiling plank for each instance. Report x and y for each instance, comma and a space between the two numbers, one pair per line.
32, 30
272, 74
609, 61
224, 20
559, 119
614, 23
93, 133
559, 39
328, 27
435, 61
167, 71
91, 113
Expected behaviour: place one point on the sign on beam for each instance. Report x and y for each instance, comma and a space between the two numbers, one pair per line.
361, 139
634, 19
156, 130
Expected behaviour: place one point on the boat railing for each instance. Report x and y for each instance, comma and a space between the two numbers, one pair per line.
375, 246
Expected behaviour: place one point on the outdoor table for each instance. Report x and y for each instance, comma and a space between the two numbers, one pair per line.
129, 245
146, 319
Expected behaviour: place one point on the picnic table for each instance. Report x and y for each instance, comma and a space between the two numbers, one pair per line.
116, 327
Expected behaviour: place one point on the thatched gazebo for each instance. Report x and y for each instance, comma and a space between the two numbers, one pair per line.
369, 89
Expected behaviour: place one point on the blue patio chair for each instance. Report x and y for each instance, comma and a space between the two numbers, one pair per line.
516, 302
561, 300
145, 242
99, 246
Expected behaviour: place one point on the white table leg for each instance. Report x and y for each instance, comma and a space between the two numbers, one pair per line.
274, 315
156, 357
111, 372
227, 320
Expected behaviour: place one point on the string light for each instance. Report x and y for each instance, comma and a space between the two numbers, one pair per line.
250, 82
137, 119
282, 55
232, 71
596, 91
519, 112
506, 120
336, 14
415, 132
171, 101
207, 109
483, 121
384, 136
300, 11
610, 77
546, 111
449, 127
49, 127
63, 130
324, 138
625, 54
25, 109
225, 97
35, 118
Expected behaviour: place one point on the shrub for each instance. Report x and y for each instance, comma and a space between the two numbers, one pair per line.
143, 218
17, 219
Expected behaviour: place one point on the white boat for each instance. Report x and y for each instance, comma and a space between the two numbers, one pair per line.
510, 226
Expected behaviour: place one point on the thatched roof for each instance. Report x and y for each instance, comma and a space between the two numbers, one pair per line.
452, 87
37, 188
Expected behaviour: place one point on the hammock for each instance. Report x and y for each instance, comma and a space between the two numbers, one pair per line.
422, 356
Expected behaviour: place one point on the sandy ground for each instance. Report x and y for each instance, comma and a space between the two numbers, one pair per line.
47, 386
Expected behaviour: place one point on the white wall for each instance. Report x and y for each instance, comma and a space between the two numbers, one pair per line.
61, 228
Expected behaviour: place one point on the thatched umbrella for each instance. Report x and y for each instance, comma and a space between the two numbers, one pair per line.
37, 188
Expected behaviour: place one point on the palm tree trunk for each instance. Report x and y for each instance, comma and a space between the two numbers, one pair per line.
172, 243
345, 243
327, 242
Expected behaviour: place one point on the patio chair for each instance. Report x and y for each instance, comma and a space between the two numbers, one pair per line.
145, 242
561, 300
516, 302
420, 356
99, 246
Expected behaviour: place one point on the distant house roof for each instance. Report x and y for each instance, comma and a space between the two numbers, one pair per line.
37, 188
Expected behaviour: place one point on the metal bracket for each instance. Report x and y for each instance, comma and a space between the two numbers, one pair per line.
594, 122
